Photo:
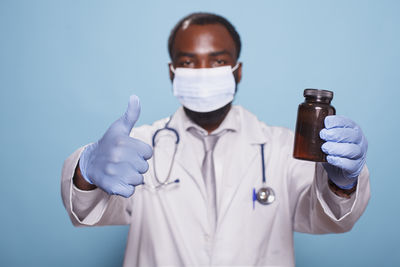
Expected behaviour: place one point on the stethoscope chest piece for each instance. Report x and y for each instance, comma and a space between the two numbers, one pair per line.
265, 195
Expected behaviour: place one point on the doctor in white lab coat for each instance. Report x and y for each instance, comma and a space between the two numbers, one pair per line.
170, 225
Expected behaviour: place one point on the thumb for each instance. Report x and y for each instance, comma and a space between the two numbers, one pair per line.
131, 115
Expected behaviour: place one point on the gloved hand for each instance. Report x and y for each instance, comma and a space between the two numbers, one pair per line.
346, 149
116, 162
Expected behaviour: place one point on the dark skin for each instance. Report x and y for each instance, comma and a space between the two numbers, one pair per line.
204, 46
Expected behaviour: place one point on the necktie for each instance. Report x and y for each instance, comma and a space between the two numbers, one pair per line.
208, 171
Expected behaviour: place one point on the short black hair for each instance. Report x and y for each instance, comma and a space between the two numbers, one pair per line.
202, 18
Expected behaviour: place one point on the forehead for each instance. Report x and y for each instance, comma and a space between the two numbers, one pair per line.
203, 39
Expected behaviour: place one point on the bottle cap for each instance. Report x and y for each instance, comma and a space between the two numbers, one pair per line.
318, 93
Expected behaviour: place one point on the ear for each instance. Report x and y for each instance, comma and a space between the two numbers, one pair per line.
171, 74
238, 73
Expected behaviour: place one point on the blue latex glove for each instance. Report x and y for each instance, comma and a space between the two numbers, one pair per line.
116, 162
346, 149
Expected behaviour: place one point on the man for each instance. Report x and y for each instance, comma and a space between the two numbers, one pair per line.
194, 204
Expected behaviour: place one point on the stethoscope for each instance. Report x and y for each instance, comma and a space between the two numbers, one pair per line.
165, 181
265, 195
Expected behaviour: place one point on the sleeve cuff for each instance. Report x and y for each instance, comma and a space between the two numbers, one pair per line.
87, 207
83, 204
336, 207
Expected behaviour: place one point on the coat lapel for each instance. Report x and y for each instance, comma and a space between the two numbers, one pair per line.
187, 159
244, 159
236, 173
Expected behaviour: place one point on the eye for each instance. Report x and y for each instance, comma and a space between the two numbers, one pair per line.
185, 63
219, 62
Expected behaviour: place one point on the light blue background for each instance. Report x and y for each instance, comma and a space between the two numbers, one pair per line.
67, 69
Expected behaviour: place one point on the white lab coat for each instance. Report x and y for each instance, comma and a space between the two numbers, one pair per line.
169, 227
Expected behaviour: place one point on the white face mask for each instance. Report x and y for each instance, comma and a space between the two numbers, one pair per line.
204, 89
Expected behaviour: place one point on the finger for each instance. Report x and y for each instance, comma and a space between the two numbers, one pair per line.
341, 135
129, 160
132, 145
139, 164
123, 166
344, 150
143, 149
147, 151
335, 121
125, 190
115, 187
348, 165
134, 179
126, 122
125, 150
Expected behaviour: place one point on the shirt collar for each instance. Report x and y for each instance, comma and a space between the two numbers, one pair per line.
230, 123
237, 120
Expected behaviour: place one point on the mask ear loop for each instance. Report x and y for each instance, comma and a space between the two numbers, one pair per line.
236, 67
172, 68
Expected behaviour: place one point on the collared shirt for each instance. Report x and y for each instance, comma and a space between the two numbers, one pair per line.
231, 126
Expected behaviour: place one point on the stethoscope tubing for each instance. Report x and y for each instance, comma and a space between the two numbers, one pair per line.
265, 195
263, 163
165, 181
153, 140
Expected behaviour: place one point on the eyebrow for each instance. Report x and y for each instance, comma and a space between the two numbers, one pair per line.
185, 54
218, 53
213, 54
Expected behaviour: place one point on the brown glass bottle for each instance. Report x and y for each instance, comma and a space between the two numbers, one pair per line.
310, 121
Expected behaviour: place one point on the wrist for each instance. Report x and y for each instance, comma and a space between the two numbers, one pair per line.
80, 182
342, 192
84, 161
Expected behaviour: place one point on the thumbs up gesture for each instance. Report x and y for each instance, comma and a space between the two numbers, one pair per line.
117, 161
